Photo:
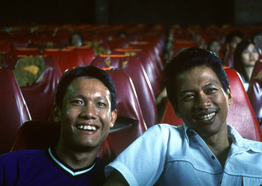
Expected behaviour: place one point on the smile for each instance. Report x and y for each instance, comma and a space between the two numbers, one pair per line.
86, 127
208, 116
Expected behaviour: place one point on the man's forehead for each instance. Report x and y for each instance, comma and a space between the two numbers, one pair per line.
194, 73
94, 82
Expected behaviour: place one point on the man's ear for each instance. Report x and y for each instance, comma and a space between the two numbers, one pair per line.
56, 113
230, 97
176, 111
113, 118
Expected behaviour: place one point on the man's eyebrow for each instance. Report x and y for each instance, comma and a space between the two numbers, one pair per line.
211, 84
191, 90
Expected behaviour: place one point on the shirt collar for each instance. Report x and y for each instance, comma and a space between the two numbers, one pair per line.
237, 139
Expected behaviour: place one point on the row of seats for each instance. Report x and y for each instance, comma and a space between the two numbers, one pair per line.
129, 67
137, 71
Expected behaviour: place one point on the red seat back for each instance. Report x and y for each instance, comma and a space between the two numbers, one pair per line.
5, 47
127, 106
155, 78
240, 116
133, 67
25, 51
41, 92
43, 134
65, 58
13, 110
87, 54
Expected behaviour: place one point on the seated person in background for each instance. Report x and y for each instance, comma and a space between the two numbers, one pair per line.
205, 150
122, 34
257, 40
245, 57
86, 109
214, 46
75, 40
232, 39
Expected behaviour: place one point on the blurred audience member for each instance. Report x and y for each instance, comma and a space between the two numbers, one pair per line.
245, 57
257, 40
75, 40
233, 38
214, 45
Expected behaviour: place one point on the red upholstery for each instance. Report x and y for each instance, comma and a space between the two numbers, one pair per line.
127, 106
5, 47
143, 88
13, 110
152, 51
65, 58
178, 47
42, 92
255, 90
241, 115
25, 51
43, 134
87, 54
150, 68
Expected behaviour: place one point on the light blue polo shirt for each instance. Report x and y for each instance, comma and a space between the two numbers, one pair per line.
167, 155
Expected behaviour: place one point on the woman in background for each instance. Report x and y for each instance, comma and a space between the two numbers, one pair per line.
245, 57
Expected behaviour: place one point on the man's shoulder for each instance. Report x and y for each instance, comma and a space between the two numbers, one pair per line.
164, 126
30, 153
169, 132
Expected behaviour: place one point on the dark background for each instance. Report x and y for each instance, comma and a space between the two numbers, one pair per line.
183, 12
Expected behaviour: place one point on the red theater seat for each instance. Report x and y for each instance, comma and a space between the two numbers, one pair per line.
133, 67
255, 90
13, 110
39, 96
150, 68
241, 115
127, 106
5, 47
44, 134
25, 51
87, 54
65, 58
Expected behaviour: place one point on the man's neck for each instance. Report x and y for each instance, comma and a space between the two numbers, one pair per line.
74, 159
220, 146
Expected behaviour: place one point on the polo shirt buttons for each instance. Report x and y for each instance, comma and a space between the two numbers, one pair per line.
213, 157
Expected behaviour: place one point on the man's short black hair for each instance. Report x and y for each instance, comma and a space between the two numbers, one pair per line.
88, 71
188, 59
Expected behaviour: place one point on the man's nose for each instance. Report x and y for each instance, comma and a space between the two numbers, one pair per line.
202, 101
89, 111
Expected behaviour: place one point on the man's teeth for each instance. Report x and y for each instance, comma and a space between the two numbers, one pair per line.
208, 116
86, 127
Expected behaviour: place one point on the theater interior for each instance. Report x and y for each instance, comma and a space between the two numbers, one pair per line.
132, 40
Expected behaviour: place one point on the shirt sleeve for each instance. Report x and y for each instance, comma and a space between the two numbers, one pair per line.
143, 161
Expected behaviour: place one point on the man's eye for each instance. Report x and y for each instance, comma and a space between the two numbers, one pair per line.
101, 104
76, 102
211, 90
188, 97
